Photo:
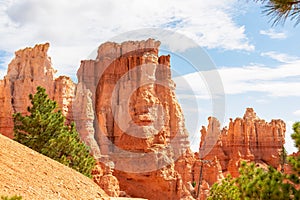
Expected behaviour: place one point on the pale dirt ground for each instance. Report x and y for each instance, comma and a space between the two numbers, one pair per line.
33, 176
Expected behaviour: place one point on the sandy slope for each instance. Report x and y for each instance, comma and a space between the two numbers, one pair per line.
34, 176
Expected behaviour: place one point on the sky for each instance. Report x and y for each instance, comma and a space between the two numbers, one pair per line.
256, 64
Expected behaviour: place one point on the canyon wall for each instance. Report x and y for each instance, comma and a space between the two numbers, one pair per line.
143, 143
139, 123
249, 138
125, 109
30, 68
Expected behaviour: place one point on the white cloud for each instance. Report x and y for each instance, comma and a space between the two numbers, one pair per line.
297, 113
84, 24
281, 57
280, 81
262, 101
262, 83
273, 34
2, 72
192, 86
289, 142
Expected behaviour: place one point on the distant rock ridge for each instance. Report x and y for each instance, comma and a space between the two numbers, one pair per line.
249, 138
125, 109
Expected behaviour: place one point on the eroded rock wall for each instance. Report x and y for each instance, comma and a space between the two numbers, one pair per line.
249, 138
30, 68
138, 121
126, 110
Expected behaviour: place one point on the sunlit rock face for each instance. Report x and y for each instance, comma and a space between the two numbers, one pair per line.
248, 138
125, 109
138, 120
30, 68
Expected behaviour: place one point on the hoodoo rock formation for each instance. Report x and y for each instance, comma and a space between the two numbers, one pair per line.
144, 94
140, 125
125, 108
30, 68
248, 138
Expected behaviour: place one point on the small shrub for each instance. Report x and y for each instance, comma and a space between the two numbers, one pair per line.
15, 197
194, 183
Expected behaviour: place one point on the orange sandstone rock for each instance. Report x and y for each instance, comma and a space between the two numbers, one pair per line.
139, 123
248, 138
30, 68
126, 110
102, 175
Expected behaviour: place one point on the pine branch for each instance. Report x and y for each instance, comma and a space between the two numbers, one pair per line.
281, 10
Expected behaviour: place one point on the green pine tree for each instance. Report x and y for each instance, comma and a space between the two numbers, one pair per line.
11, 198
226, 190
254, 183
283, 158
44, 131
295, 160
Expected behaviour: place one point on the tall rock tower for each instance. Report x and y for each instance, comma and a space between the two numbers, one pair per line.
138, 121
30, 68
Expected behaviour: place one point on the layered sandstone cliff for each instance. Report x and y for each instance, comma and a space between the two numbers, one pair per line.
249, 138
138, 121
125, 100
30, 68
125, 109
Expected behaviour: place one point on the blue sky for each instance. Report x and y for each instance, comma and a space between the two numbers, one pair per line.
258, 64
274, 47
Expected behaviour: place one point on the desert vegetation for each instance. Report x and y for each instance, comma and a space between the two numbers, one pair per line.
44, 130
